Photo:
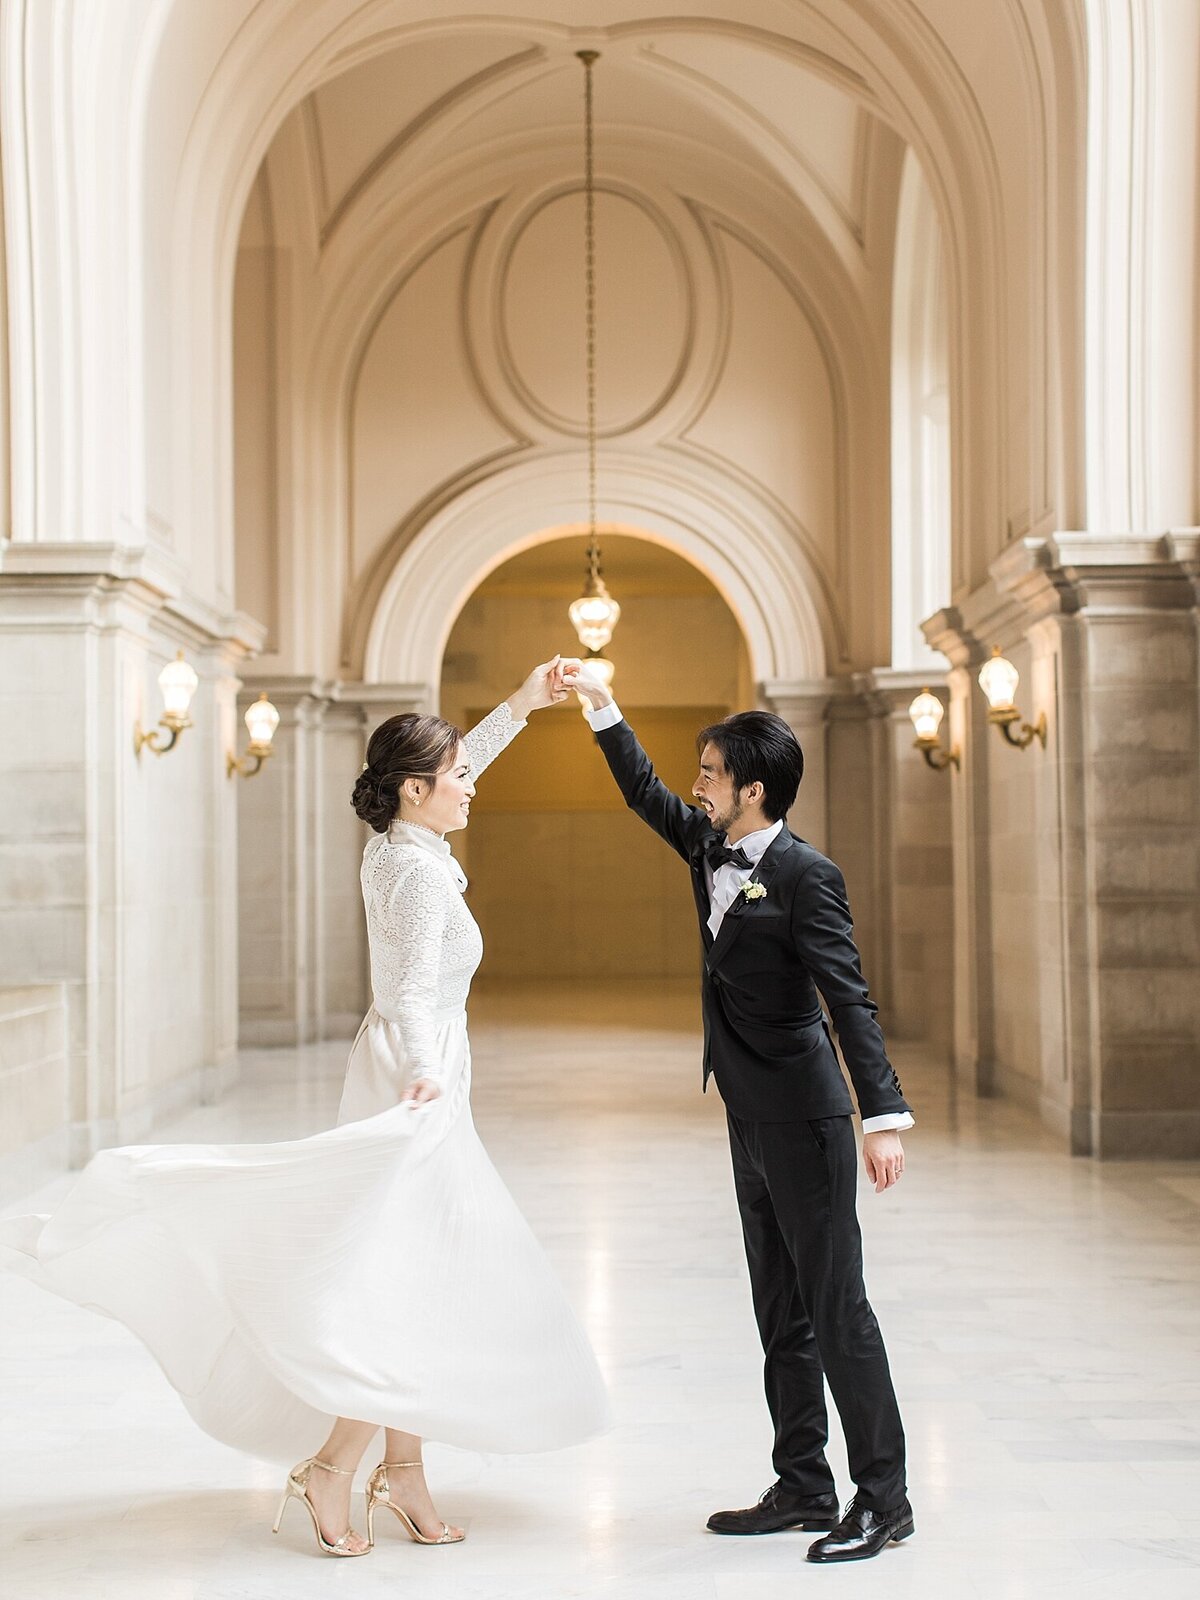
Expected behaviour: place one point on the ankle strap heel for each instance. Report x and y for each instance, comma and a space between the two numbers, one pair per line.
379, 1494
297, 1489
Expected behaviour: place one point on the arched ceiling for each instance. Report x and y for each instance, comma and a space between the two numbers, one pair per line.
433, 99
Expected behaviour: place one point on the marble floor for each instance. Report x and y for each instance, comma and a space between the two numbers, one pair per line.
1041, 1315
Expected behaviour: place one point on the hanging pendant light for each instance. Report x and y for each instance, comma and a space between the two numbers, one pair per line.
595, 614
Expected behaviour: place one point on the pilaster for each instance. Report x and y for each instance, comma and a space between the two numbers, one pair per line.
1085, 851
304, 971
114, 867
908, 831
804, 706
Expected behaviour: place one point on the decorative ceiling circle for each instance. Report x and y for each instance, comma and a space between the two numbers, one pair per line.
644, 306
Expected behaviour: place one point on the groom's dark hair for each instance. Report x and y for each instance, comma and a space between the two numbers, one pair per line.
758, 746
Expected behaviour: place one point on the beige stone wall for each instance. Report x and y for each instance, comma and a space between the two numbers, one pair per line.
33, 1065
920, 923
113, 869
1143, 802
1019, 946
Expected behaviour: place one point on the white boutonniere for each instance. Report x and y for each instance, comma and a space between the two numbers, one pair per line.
754, 891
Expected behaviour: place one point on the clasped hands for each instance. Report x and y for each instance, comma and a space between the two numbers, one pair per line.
553, 682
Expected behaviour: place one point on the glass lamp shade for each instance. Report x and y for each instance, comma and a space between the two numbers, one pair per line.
927, 712
597, 666
262, 719
178, 683
594, 616
998, 679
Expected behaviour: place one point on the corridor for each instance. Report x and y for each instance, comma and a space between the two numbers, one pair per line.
1041, 1315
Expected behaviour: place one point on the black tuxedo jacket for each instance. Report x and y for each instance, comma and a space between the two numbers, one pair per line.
765, 1037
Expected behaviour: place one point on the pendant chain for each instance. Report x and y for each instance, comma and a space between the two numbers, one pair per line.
588, 57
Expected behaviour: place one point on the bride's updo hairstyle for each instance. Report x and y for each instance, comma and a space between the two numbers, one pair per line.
407, 746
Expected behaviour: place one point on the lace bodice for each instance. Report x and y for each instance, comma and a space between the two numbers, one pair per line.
425, 944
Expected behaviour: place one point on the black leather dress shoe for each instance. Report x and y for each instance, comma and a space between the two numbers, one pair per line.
862, 1533
778, 1510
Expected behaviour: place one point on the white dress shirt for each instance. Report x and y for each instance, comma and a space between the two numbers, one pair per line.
725, 884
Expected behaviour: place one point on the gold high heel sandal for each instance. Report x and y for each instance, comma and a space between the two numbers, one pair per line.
297, 1489
378, 1494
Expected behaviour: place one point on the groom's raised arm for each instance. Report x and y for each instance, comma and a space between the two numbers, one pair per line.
643, 790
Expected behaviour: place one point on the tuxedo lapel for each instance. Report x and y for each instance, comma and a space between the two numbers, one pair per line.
731, 922
698, 863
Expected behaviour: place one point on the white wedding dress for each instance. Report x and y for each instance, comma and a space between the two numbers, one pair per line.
380, 1270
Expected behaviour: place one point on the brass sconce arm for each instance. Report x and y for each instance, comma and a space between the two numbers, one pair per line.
937, 757
143, 740
1007, 719
258, 753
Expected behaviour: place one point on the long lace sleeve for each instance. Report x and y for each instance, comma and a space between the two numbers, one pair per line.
488, 738
410, 905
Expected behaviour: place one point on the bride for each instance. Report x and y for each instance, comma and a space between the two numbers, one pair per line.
375, 1275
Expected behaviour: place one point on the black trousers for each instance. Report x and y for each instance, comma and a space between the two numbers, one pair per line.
796, 1186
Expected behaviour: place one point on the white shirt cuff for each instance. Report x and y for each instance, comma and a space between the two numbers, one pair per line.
606, 717
889, 1120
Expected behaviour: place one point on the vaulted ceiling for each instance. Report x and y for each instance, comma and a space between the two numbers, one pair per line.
431, 100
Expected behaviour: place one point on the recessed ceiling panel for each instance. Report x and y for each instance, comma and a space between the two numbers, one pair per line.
643, 311
816, 121
361, 112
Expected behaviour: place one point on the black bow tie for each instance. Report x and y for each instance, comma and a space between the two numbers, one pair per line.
726, 855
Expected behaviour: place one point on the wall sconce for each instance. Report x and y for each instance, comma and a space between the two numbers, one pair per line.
262, 719
178, 683
927, 712
998, 679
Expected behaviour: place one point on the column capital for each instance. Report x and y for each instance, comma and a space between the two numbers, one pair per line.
85, 584
396, 697
948, 632
300, 700
808, 698
1061, 575
889, 691
1076, 571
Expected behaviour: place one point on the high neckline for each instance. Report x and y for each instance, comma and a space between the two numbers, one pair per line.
414, 833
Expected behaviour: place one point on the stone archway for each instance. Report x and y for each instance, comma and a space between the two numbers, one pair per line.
603, 893
754, 562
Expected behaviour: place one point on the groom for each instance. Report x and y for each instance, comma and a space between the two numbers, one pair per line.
776, 929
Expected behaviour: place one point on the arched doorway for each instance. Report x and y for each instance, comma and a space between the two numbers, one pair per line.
556, 863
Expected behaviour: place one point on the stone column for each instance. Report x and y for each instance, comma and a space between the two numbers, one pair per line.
280, 847
1076, 865
1131, 871
804, 707
910, 830
852, 840
114, 866
303, 954
965, 726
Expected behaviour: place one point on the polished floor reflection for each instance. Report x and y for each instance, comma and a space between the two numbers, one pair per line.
1041, 1316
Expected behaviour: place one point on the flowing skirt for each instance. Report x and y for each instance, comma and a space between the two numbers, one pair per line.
379, 1270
